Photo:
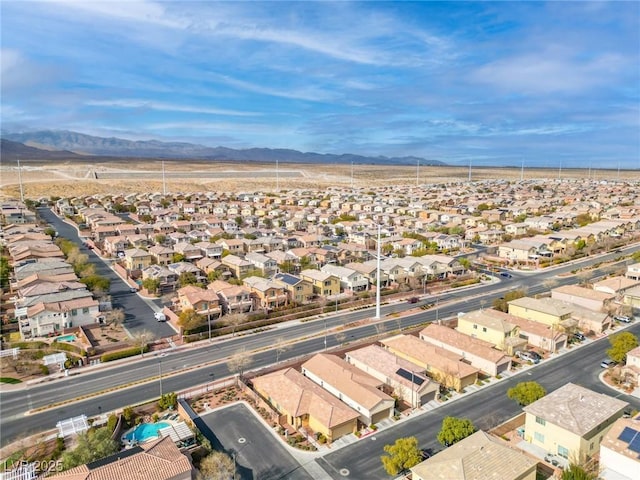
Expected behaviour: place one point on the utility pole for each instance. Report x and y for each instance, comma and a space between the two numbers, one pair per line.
377, 317
20, 180
164, 181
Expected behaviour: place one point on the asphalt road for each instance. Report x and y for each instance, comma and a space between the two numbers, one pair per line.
258, 454
14, 424
138, 312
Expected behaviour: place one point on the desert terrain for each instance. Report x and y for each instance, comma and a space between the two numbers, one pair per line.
72, 178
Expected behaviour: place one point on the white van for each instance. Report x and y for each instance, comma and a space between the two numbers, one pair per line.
161, 317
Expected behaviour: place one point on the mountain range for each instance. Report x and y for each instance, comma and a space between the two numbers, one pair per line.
57, 144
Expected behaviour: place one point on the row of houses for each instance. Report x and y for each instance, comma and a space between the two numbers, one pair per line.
47, 296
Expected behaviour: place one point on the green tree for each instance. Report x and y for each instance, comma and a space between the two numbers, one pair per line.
168, 400
455, 429
91, 446
189, 319
187, 278
465, 262
50, 231
4, 273
96, 283
621, 344
502, 304
151, 284
402, 455
576, 472
177, 258
160, 239
217, 466
526, 393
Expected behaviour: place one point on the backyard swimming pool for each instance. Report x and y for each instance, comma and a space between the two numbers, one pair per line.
66, 338
144, 432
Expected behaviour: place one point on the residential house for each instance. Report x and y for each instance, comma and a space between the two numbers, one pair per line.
167, 278
239, 267
233, 298
300, 291
619, 450
359, 390
584, 297
479, 456
615, 285
266, 265
369, 271
632, 297
350, 280
157, 460
545, 337
201, 301
571, 421
496, 331
47, 318
523, 250
478, 353
404, 378
633, 271
268, 294
324, 284
631, 368
113, 245
442, 365
189, 251
161, 255
210, 250
542, 311
304, 404
137, 259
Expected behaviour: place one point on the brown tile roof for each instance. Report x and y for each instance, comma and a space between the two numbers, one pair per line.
449, 336
347, 379
159, 460
296, 395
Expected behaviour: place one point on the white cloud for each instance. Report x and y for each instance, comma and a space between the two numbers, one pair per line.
154, 105
308, 93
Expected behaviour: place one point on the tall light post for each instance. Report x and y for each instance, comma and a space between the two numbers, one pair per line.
325, 334
209, 321
160, 376
437, 300
377, 317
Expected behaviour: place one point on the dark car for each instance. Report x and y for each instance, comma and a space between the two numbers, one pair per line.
506, 275
579, 336
413, 300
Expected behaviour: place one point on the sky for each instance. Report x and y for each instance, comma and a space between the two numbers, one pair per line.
553, 84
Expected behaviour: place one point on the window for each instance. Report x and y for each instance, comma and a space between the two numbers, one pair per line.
475, 327
541, 421
484, 329
591, 446
85, 310
539, 437
563, 451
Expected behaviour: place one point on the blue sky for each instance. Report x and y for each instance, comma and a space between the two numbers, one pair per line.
547, 83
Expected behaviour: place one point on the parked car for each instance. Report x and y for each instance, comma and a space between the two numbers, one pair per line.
607, 362
159, 316
622, 318
551, 458
579, 336
413, 300
506, 275
133, 290
529, 356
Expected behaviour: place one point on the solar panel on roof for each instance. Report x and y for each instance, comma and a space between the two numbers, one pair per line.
634, 445
627, 434
412, 377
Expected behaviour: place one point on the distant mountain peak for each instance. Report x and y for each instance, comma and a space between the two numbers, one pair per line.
83, 144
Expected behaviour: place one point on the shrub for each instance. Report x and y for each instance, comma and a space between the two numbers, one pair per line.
129, 352
112, 422
44, 369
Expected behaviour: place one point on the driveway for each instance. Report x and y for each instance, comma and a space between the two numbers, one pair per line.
259, 455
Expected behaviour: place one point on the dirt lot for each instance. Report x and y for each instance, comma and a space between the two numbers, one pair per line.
45, 179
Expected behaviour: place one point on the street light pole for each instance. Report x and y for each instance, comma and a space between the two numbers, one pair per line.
160, 371
325, 334
209, 317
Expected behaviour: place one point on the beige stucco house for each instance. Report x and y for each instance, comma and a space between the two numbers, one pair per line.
571, 421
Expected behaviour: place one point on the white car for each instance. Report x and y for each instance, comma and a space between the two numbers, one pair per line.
159, 316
